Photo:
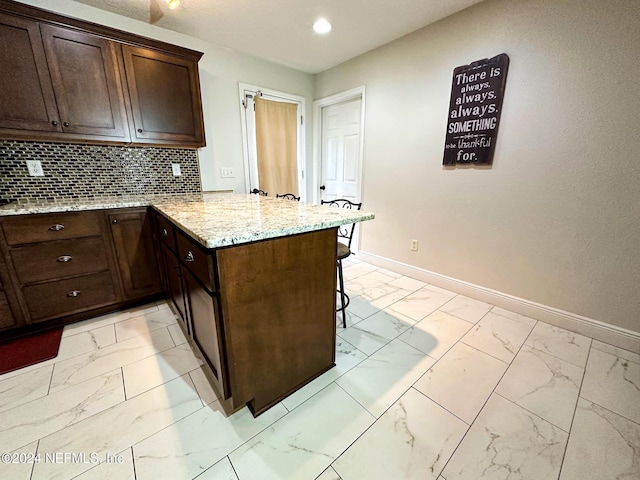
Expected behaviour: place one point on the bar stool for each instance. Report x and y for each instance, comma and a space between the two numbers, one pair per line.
288, 196
344, 249
259, 192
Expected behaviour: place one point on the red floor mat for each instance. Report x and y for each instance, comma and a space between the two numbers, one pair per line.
29, 350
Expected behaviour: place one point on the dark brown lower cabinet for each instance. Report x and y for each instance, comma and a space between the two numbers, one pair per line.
262, 314
65, 297
204, 319
6, 316
278, 306
174, 284
135, 251
57, 268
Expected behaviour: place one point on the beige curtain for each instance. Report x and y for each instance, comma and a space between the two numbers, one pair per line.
277, 146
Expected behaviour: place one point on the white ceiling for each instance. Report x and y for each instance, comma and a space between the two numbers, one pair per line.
280, 30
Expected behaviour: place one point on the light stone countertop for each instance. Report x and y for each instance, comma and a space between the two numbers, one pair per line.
229, 219
216, 220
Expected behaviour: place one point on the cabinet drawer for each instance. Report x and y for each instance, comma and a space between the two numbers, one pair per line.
54, 226
165, 233
46, 261
196, 259
6, 317
54, 299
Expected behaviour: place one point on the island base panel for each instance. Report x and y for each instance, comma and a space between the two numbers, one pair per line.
278, 301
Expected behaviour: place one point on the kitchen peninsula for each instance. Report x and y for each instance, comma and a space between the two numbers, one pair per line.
252, 278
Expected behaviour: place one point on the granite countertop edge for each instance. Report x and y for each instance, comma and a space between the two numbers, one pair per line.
204, 217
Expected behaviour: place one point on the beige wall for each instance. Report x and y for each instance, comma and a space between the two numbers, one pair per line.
221, 69
556, 219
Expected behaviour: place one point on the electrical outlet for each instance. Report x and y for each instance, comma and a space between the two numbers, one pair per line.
227, 172
35, 168
414, 245
175, 168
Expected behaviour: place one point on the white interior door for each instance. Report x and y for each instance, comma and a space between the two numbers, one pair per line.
340, 150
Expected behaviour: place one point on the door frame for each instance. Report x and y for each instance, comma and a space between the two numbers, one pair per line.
247, 147
318, 105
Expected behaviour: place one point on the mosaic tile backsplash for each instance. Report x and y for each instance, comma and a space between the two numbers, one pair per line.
88, 171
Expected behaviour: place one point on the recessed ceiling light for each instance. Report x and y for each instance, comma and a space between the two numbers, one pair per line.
173, 4
322, 26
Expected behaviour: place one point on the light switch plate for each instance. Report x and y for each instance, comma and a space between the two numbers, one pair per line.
227, 172
35, 168
175, 168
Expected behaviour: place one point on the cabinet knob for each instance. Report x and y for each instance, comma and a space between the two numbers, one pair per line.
165, 233
73, 293
54, 123
64, 258
115, 220
65, 124
56, 228
139, 130
189, 257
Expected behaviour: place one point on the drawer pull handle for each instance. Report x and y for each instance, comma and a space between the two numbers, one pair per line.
165, 233
56, 228
189, 257
64, 258
114, 221
73, 293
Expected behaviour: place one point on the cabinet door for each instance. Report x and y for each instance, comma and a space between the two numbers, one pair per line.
174, 282
6, 317
27, 102
165, 97
133, 241
86, 82
206, 329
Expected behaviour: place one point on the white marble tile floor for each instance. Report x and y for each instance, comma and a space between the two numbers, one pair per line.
428, 384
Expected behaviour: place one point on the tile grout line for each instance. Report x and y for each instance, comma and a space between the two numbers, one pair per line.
133, 463
34, 463
50, 380
575, 409
488, 397
124, 386
441, 406
375, 419
412, 385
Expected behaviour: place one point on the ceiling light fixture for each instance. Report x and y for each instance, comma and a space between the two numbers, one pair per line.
322, 26
173, 4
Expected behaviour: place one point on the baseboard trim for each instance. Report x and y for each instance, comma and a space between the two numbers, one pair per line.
604, 332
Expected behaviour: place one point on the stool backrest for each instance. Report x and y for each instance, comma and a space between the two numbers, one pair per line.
288, 196
344, 231
259, 192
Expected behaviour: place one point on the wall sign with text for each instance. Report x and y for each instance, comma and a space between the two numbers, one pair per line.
474, 111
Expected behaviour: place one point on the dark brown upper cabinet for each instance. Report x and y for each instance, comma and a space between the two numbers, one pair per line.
86, 82
27, 102
67, 80
165, 97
